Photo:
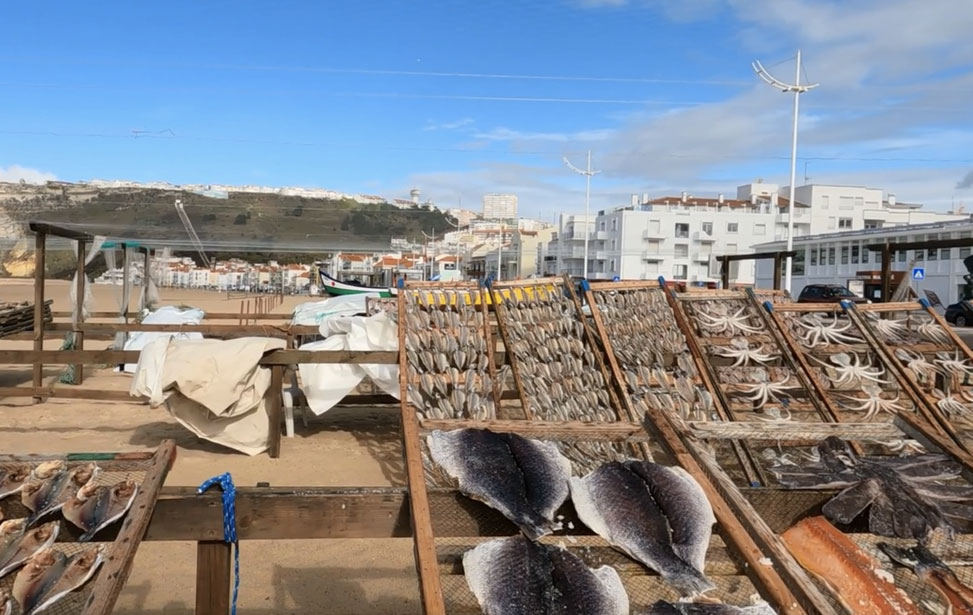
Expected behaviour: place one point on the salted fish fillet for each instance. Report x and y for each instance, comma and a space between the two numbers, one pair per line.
932, 571
704, 608
515, 576
96, 507
37, 578
850, 572
19, 544
656, 515
526, 480
77, 570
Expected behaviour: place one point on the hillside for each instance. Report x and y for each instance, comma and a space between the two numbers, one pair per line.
245, 222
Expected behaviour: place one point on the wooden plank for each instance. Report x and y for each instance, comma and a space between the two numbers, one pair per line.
67, 357
501, 311
812, 432
203, 328
58, 231
430, 589
752, 547
275, 414
810, 307
79, 308
277, 357
213, 578
118, 564
207, 316
69, 393
618, 430
898, 306
358, 357
40, 248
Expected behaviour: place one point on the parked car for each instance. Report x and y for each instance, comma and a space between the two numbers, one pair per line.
828, 293
960, 314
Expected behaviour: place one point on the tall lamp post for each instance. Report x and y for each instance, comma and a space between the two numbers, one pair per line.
797, 89
587, 202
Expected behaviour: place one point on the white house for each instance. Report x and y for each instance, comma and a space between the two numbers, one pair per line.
564, 253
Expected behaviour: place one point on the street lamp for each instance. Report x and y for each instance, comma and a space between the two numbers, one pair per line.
587, 202
798, 89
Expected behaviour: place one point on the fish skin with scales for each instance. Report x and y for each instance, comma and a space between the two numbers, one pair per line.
616, 502
526, 480
516, 576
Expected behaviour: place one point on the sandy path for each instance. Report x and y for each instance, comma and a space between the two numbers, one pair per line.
346, 447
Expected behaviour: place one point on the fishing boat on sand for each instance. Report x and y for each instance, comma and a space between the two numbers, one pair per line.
335, 287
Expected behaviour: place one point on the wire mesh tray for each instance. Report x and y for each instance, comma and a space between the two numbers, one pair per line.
119, 541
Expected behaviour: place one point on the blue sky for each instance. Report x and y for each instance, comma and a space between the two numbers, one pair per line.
459, 98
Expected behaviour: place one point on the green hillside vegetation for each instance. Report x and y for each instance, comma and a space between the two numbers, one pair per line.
255, 220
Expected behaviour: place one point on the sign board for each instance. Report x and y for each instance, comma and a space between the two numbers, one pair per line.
857, 287
918, 273
933, 298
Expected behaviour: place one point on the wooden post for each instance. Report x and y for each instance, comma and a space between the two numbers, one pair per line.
40, 248
212, 578
146, 264
777, 263
126, 283
725, 272
424, 545
887, 255
276, 409
79, 308
240, 319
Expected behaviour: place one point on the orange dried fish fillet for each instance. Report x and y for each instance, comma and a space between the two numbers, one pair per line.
832, 556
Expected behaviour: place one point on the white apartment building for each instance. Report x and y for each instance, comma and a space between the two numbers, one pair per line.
499, 206
565, 252
678, 236
841, 258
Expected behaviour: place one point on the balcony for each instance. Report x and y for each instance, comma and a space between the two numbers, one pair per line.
647, 234
599, 235
704, 237
652, 257
702, 257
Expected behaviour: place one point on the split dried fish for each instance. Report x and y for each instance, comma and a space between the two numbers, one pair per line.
12, 480
18, 543
96, 507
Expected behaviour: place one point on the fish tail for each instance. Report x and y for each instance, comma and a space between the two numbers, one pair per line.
689, 582
87, 536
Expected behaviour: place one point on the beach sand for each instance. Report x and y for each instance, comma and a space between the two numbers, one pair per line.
346, 447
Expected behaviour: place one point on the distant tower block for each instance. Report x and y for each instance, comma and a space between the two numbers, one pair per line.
414, 193
499, 206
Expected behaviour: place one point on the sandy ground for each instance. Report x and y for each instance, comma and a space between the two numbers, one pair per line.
346, 447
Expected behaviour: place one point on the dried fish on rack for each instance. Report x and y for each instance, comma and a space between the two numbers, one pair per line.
957, 597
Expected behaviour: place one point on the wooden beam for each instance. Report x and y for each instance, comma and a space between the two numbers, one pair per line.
69, 393
724, 273
59, 231
777, 267
213, 577
40, 249
203, 328
886, 272
427, 567
358, 357
108, 585
79, 309
67, 357
276, 409
276, 357
757, 256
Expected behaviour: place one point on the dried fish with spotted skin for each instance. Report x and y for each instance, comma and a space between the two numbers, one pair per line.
18, 542
12, 480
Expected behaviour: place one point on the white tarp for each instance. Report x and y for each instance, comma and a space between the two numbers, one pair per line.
214, 388
314, 312
168, 315
324, 384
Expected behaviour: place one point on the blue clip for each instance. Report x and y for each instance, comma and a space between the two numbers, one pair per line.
585, 286
768, 306
662, 281
924, 302
400, 283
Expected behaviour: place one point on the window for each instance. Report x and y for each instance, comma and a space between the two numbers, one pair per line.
798, 263
601, 225
759, 229
945, 254
873, 224
844, 255
964, 252
679, 272
919, 255
613, 244
832, 223
831, 256
824, 256
932, 254
651, 268
731, 227
682, 250
854, 255
614, 224
846, 202
902, 256
612, 266
825, 202
653, 247
865, 252
708, 228
814, 257
844, 222
682, 230
731, 248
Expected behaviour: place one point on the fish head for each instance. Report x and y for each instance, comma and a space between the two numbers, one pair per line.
12, 527
83, 474
905, 556
30, 488
48, 469
86, 491
45, 533
89, 558
15, 476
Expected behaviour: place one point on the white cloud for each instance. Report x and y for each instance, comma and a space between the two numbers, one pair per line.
454, 125
15, 173
522, 137
966, 183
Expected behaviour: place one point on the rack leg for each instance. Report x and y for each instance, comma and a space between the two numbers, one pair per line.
212, 578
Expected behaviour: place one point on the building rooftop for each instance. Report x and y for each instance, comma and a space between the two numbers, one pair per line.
950, 226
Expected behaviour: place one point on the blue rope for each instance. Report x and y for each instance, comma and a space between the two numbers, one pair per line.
225, 481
